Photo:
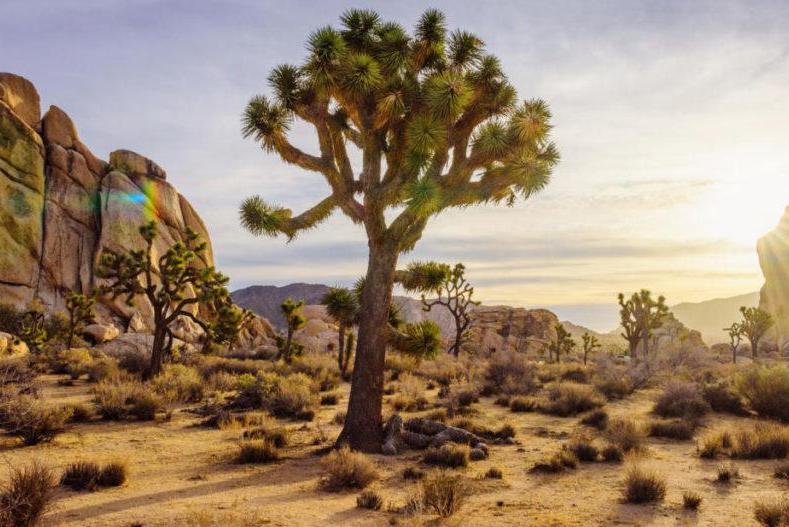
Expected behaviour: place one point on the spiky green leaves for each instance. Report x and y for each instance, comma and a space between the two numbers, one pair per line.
260, 218
447, 95
465, 49
421, 339
530, 123
360, 25
361, 75
422, 277
492, 141
265, 121
342, 305
392, 48
327, 49
287, 81
428, 50
423, 196
425, 134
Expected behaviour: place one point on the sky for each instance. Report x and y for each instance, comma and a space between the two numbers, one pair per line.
672, 119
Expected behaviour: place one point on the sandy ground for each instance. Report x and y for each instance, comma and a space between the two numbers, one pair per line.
181, 474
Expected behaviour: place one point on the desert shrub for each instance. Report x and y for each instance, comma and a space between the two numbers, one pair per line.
111, 399
369, 499
556, 462
448, 455
569, 398
16, 370
494, 473
339, 418
502, 401
782, 471
321, 367
11, 319
81, 412
627, 434
179, 383
510, 373
766, 388
523, 404
145, 405
211, 365
410, 394
444, 370
222, 381
574, 373
714, 444
32, 420
772, 514
257, 451
672, 429
763, 441
26, 496
691, 500
444, 494
462, 395
596, 419
104, 369
643, 486
584, 449
722, 397
615, 381
292, 396
413, 473
277, 435
727, 473
82, 475
329, 399
681, 399
113, 474
346, 469
399, 363
612, 454
75, 362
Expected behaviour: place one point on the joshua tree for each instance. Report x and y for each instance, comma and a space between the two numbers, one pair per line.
564, 343
343, 306
33, 327
80, 311
639, 315
174, 285
755, 323
736, 333
590, 344
291, 309
438, 126
455, 294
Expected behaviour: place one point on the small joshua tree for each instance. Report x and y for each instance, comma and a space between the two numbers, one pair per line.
563, 343
342, 305
80, 312
455, 294
33, 327
294, 320
736, 333
639, 315
174, 285
590, 344
755, 323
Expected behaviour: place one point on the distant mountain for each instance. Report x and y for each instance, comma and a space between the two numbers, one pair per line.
265, 299
711, 316
609, 339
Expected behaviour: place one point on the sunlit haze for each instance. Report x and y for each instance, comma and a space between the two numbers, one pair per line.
672, 119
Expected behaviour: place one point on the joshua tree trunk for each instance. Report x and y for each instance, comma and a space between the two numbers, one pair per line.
157, 351
341, 347
455, 349
363, 428
754, 349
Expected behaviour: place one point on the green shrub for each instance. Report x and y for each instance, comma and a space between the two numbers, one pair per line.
642, 486
369, 499
347, 470
766, 388
26, 496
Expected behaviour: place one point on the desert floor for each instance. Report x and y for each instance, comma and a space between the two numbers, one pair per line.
184, 474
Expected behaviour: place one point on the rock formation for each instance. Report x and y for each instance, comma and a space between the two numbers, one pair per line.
773, 250
61, 206
496, 328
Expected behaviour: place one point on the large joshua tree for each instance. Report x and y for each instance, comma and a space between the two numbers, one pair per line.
755, 323
438, 126
639, 315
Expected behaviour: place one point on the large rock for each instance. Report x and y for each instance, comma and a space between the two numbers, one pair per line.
21, 96
496, 328
12, 346
100, 333
135, 165
773, 250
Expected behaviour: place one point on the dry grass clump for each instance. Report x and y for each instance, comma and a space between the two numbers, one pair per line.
766, 388
32, 420
494, 473
81, 412
444, 494
523, 404
211, 365
410, 394
510, 373
74, 361
269, 430
113, 474
772, 514
369, 499
179, 383
257, 451
627, 434
643, 486
461, 395
16, 370
722, 397
329, 399
565, 372
346, 469
320, 367
691, 500
596, 419
413, 473
26, 496
123, 400
681, 399
82, 475
583, 448
104, 369
615, 381
762, 441
449, 455
399, 363
569, 398
222, 381
672, 429
612, 454
339, 418
557, 462
727, 473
